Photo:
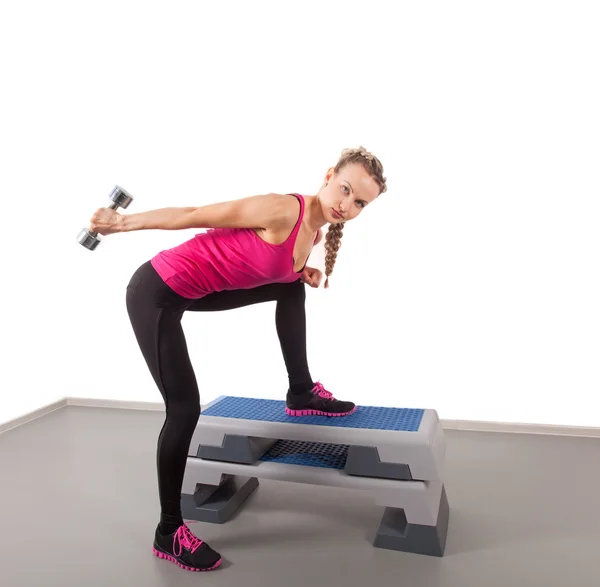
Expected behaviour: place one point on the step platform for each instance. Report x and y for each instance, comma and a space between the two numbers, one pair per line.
395, 454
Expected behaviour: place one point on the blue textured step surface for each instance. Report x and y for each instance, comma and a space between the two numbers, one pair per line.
309, 454
267, 410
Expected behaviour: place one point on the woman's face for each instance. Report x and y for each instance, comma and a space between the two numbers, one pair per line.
347, 193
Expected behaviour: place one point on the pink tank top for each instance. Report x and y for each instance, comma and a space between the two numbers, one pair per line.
225, 259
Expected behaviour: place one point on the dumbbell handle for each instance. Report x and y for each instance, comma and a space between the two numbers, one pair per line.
112, 206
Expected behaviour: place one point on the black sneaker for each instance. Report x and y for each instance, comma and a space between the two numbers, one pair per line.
185, 550
317, 402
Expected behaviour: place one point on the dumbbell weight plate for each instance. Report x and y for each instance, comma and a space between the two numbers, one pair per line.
88, 240
120, 197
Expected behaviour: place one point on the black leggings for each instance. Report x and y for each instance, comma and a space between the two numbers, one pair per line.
155, 311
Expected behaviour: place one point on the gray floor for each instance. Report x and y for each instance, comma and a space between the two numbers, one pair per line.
79, 507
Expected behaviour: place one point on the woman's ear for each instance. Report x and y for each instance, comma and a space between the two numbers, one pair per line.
329, 175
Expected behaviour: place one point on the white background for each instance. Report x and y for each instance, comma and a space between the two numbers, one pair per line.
471, 287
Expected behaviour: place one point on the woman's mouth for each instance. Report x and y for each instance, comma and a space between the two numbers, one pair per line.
336, 214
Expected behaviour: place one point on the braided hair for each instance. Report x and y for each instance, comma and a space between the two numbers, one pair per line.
374, 168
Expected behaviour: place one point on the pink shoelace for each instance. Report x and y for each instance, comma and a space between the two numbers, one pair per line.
320, 390
185, 539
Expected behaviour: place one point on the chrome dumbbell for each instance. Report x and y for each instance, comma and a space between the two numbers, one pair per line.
119, 199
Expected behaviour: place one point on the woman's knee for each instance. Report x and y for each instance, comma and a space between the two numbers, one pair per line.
186, 413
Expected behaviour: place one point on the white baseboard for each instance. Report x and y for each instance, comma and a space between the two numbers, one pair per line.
458, 425
33, 415
115, 403
520, 428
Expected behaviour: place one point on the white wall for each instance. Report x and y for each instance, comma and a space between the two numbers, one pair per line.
472, 286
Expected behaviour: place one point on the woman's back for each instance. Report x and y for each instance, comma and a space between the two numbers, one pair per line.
228, 258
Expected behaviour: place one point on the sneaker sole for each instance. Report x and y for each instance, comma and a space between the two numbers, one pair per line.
318, 413
165, 556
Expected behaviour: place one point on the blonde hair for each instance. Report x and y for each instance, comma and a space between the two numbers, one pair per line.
374, 168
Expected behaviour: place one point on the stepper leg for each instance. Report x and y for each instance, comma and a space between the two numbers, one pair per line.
395, 533
236, 449
217, 504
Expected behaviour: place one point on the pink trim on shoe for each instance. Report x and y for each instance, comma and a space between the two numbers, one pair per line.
164, 555
318, 413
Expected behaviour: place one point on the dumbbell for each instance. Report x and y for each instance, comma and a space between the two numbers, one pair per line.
119, 199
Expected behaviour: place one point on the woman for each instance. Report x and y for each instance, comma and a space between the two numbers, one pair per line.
255, 250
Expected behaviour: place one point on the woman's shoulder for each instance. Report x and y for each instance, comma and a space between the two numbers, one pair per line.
287, 205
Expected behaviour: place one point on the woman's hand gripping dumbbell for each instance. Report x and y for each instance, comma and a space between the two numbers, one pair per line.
105, 220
